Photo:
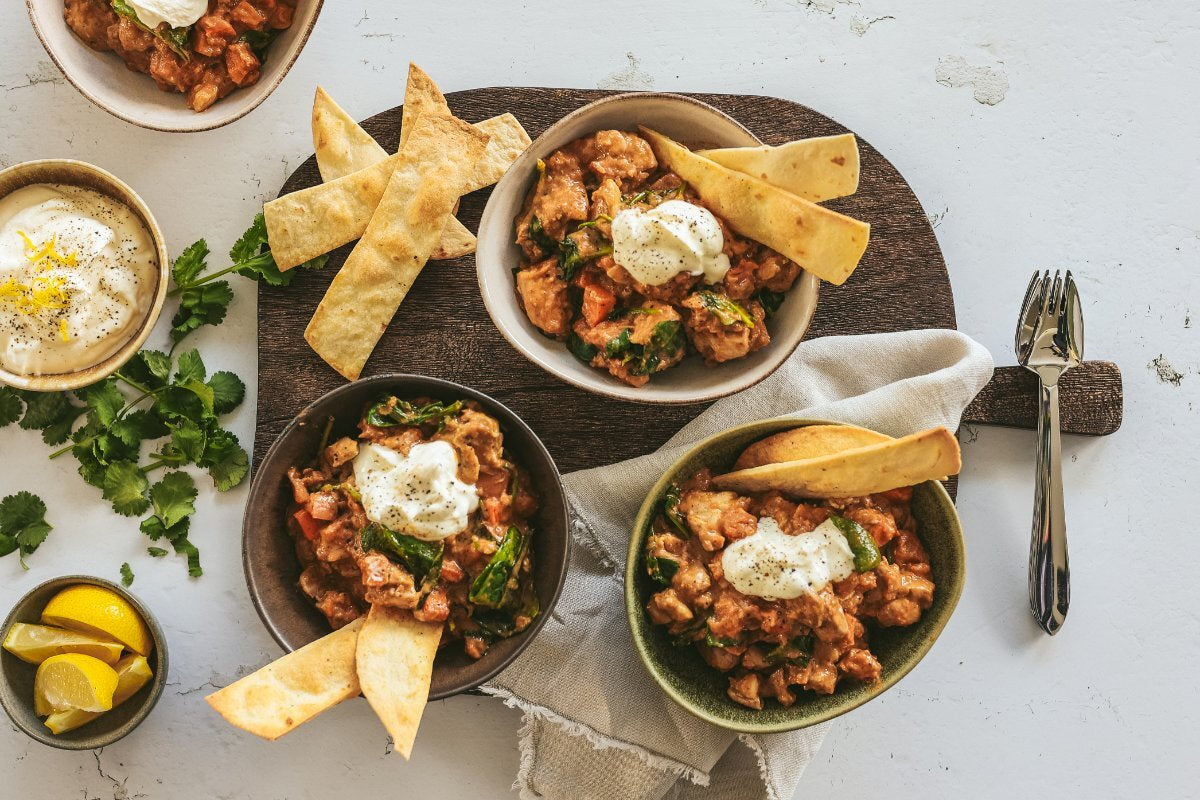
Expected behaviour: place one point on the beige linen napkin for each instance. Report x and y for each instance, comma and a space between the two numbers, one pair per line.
596, 726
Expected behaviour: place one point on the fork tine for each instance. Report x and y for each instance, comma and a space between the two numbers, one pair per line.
1026, 308
1073, 312
1053, 292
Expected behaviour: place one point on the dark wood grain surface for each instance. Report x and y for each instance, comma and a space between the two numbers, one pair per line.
1090, 399
443, 330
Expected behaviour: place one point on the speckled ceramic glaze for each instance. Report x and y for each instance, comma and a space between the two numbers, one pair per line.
16, 691
694, 123
79, 173
269, 554
700, 689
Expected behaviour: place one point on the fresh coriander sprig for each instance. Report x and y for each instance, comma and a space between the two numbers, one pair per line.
170, 402
204, 300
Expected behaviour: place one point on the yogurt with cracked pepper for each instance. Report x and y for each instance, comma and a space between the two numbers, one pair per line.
418, 494
774, 565
657, 244
78, 271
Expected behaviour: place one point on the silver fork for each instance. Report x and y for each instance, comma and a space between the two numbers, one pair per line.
1049, 341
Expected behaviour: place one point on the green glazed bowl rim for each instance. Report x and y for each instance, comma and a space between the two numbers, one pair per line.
949, 586
147, 697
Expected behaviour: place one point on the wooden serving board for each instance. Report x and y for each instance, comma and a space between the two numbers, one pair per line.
443, 330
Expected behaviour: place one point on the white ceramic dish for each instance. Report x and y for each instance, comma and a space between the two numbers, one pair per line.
133, 96
695, 124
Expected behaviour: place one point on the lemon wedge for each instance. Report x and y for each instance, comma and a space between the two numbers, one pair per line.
100, 612
74, 681
36, 643
133, 672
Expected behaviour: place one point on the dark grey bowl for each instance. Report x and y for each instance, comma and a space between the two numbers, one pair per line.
689, 681
16, 692
269, 558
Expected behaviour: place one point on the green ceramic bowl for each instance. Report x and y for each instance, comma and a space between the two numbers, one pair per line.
700, 689
16, 690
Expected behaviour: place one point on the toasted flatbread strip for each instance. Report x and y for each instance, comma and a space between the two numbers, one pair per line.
825, 243
343, 147
395, 666
816, 169
811, 441
311, 222
914, 459
341, 144
292, 690
422, 98
435, 164
506, 141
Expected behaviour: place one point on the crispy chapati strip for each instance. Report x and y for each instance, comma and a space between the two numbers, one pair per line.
341, 144
292, 690
816, 169
506, 141
395, 666
436, 163
309, 223
422, 98
811, 441
914, 459
825, 243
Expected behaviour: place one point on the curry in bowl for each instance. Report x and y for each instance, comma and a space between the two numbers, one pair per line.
784, 572
780, 595
635, 251
425, 511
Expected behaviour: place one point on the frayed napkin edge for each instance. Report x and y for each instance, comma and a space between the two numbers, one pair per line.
594, 737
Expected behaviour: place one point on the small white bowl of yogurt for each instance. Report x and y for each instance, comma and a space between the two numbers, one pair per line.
83, 274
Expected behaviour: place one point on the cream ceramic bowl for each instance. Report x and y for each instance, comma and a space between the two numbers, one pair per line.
133, 96
79, 173
693, 123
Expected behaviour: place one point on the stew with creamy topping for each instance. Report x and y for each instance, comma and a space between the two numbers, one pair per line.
624, 263
781, 595
425, 511
206, 58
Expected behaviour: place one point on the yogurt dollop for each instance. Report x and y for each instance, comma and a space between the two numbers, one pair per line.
418, 494
176, 13
676, 236
774, 565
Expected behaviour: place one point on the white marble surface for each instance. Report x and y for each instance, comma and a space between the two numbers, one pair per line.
1036, 135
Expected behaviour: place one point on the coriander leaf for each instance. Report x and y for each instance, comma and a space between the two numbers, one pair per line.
251, 241
125, 485
149, 368
316, 263
174, 498
132, 428
177, 403
186, 445
202, 391
44, 408
190, 263
90, 468
23, 524
157, 552
103, 399
109, 448
225, 460
228, 391
58, 432
191, 367
10, 406
201, 305
177, 536
126, 575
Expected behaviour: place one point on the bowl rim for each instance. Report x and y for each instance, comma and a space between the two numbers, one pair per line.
157, 683
393, 378
618, 390
94, 373
634, 610
299, 44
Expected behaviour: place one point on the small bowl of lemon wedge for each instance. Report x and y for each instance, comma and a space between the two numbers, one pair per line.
83, 662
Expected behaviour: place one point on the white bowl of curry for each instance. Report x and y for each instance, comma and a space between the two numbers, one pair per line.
587, 328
